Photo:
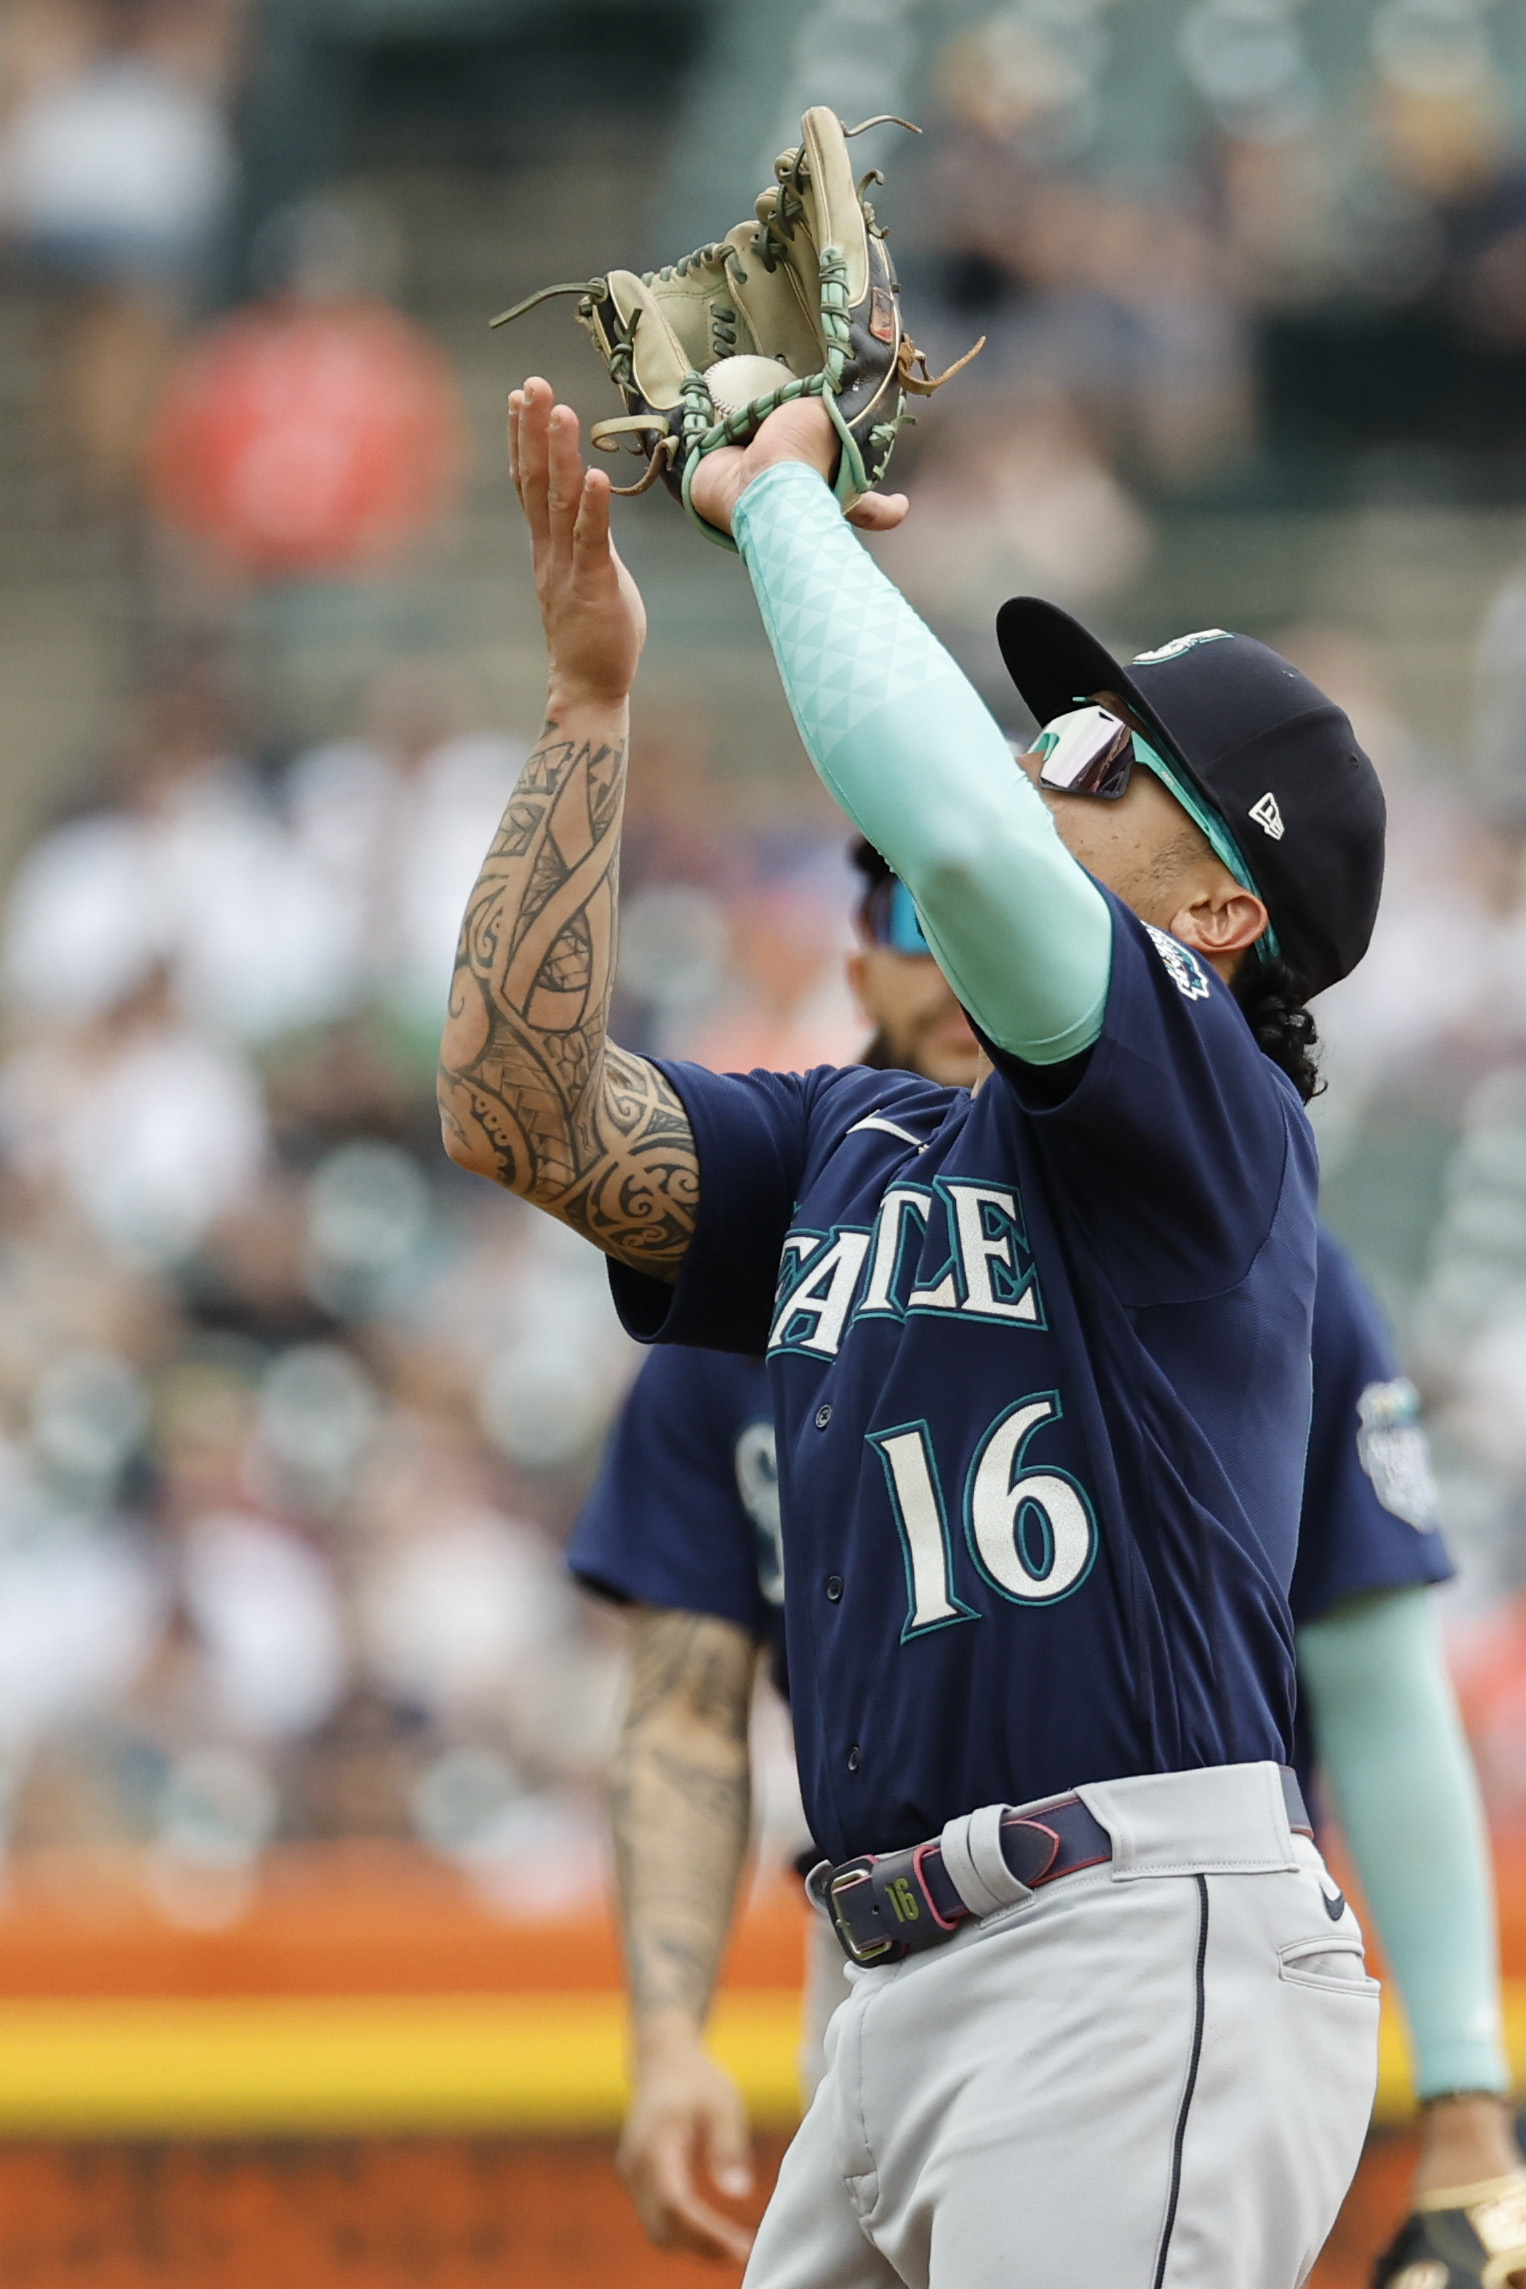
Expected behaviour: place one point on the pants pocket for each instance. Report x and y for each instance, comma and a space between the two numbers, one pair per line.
1332, 1961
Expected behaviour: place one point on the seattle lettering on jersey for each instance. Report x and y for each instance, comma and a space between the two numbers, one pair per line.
830, 1280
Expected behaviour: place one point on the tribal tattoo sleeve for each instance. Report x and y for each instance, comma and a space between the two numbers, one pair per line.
531, 1092
680, 1803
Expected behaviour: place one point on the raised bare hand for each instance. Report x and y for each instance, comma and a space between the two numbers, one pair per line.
800, 431
594, 618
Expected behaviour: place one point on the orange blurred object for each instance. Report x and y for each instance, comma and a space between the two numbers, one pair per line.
332, 2213
348, 2213
296, 440
1487, 1655
357, 1918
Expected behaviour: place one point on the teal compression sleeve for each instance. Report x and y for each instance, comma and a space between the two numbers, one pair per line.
902, 740
1388, 1736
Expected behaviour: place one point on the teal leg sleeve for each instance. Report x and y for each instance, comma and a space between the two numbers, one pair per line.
1389, 1739
904, 743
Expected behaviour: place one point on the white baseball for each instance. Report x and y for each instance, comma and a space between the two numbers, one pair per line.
735, 382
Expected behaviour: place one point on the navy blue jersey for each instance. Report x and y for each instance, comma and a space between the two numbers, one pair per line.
1369, 1502
1040, 1369
685, 1509
685, 1512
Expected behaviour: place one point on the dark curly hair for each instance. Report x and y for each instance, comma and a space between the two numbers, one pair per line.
1272, 996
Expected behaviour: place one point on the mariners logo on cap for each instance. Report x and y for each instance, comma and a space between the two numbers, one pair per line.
1180, 644
1268, 818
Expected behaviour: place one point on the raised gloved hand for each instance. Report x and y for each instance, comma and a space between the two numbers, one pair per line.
800, 302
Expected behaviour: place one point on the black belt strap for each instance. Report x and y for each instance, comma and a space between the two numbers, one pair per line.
888, 1905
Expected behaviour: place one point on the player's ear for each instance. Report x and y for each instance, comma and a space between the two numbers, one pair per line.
1220, 922
856, 970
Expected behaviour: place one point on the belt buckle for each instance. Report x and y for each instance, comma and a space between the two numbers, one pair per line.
855, 1913
881, 1908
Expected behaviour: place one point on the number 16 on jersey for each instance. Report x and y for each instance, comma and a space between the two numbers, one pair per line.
1031, 1533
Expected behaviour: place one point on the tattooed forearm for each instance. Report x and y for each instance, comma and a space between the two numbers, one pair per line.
680, 1803
531, 1091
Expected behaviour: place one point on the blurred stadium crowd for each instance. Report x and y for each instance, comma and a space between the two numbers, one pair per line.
1196, 234
297, 1413
293, 1417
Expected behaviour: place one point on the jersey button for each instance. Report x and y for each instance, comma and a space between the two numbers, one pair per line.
853, 1758
834, 1587
823, 1417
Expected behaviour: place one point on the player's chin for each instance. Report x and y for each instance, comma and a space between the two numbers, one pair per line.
949, 1054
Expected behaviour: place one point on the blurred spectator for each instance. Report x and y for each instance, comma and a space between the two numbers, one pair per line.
1019, 501
1422, 1011
393, 826
521, 1307
79, 1612
120, 166
187, 873
64, 1293
785, 1003
183, 1113
461, 1610
115, 170
1121, 305
1494, 757
315, 433
265, 1610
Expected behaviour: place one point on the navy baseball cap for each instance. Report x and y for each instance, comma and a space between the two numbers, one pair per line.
1270, 755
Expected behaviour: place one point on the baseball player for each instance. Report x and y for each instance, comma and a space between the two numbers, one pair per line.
1039, 1360
683, 1526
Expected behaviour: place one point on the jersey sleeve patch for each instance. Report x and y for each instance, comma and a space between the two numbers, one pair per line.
1395, 1453
1182, 966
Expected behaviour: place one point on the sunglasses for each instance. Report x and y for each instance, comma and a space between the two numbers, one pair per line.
1090, 751
890, 918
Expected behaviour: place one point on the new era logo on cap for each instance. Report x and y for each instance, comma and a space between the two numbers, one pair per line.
1268, 818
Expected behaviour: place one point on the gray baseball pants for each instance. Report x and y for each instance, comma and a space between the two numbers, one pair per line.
1151, 2075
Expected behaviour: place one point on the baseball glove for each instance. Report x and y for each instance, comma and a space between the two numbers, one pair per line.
802, 301
1471, 2238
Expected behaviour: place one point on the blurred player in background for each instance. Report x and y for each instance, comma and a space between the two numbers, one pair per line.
683, 1526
